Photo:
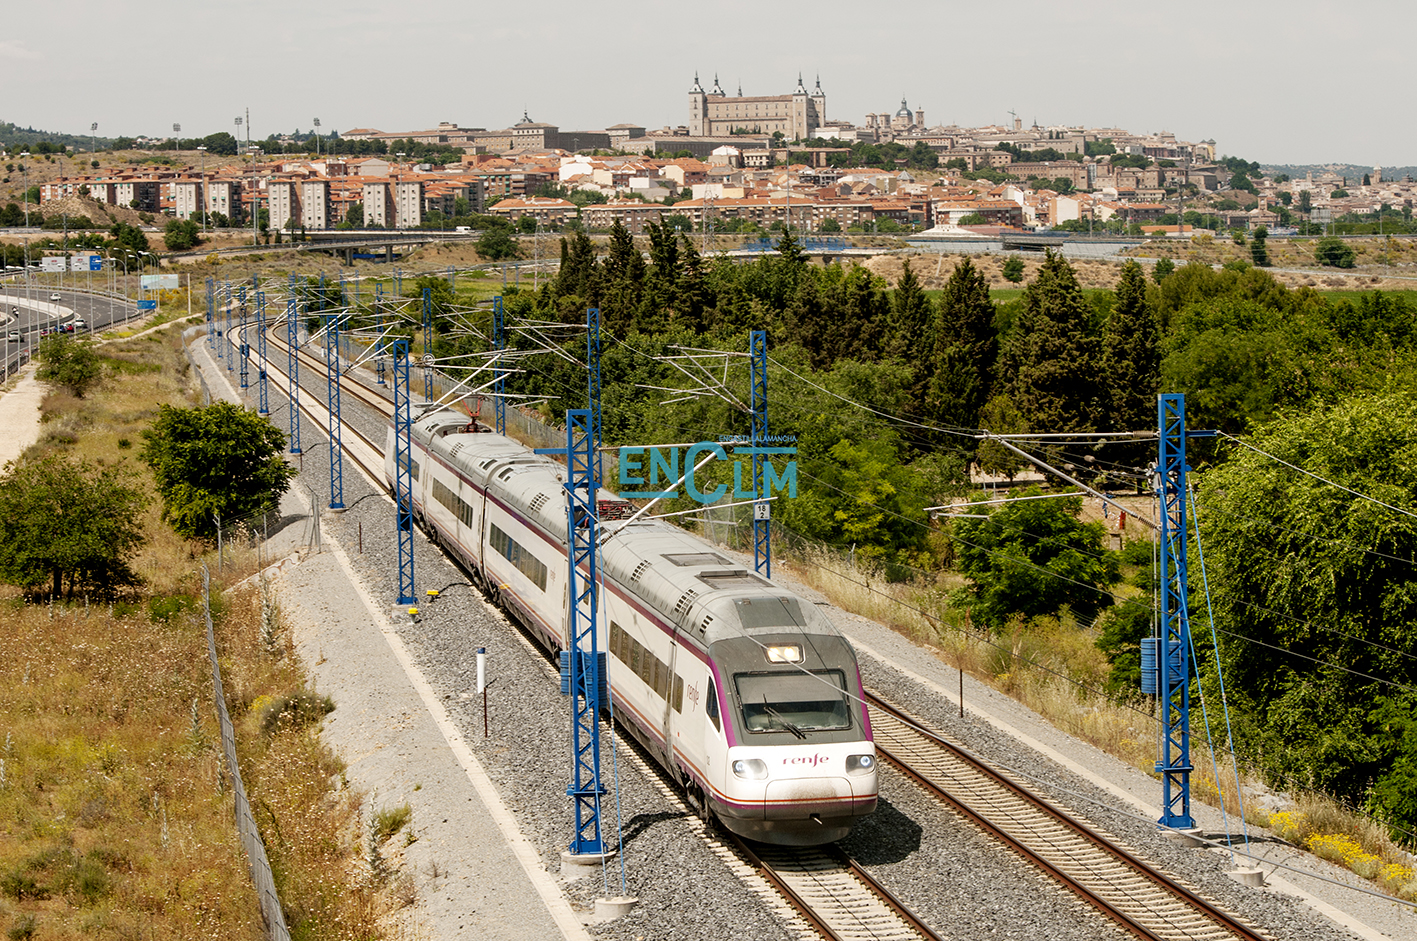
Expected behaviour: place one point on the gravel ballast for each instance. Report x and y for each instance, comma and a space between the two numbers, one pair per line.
961, 882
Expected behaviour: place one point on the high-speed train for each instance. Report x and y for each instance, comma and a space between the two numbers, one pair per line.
743, 691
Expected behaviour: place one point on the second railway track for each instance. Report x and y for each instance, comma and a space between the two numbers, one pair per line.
1131, 893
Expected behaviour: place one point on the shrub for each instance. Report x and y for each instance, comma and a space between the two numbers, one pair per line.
299, 708
391, 820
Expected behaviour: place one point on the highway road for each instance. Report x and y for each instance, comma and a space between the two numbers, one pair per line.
32, 312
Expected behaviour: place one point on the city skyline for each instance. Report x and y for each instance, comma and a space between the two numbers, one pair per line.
1213, 71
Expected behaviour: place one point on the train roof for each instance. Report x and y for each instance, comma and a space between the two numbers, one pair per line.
687, 580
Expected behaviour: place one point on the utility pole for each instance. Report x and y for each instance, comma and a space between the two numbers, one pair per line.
762, 509
403, 471
1171, 649
499, 343
583, 665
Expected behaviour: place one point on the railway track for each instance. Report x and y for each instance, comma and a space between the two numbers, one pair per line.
838, 899
1134, 895
834, 895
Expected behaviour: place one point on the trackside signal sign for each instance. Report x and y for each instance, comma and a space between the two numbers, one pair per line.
660, 466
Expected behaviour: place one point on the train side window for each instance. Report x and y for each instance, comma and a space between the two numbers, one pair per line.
635, 652
678, 693
711, 707
617, 636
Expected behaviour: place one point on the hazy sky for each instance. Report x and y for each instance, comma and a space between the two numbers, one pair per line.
1304, 81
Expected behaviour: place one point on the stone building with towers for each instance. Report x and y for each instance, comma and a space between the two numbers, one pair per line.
797, 116
886, 126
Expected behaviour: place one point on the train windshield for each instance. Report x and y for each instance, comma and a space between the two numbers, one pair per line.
793, 702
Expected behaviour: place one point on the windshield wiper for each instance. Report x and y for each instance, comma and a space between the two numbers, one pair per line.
781, 721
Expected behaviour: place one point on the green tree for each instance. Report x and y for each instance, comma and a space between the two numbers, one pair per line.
1013, 269
1313, 597
962, 349
181, 234
1305, 202
1259, 254
1162, 268
1050, 363
219, 459
830, 226
1131, 357
68, 522
1334, 252
911, 317
1033, 557
70, 363
1338, 194
496, 244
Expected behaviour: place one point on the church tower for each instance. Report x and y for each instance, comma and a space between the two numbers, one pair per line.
819, 98
698, 109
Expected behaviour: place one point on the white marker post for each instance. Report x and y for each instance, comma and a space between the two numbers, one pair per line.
482, 684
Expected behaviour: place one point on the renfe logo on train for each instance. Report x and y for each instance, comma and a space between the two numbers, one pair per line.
661, 467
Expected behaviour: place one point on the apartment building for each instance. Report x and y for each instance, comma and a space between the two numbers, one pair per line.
408, 204
378, 203
315, 204
224, 196
186, 199
283, 201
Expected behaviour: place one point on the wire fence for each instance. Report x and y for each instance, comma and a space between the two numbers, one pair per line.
260, 864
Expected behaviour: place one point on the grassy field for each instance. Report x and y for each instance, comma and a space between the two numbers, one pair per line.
117, 821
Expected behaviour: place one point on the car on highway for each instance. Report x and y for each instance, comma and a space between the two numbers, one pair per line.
67, 328
80, 323
16, 337
56, 296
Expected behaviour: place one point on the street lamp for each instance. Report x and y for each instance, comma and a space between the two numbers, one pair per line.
93, 138
317, 137
24, 172
202, 149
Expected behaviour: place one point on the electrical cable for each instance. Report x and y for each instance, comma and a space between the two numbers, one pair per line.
1220, 674
1295, 467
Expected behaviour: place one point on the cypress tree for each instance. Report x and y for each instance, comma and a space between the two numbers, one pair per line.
1050, 365
1131, 357
910, 319
622, 277
962, 350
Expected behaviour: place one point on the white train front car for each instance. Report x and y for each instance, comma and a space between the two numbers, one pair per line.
745, 692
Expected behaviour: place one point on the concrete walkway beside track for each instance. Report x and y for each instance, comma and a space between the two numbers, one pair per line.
19, 414
477, 876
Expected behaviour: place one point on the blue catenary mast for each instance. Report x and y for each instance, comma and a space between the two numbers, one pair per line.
332, 390
1173, 681
428, 344
244, 349
583, 666
380, 347
592, 326
762, 509
499, 341
292, 337
263, 400
211, 314
403, 470
230, 351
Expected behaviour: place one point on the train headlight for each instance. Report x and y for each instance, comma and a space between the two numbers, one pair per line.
860, 764
754, 769
785, 653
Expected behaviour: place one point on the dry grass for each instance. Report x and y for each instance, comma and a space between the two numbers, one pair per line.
1053, 667
116, 816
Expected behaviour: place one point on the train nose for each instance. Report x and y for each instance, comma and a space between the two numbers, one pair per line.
795, 799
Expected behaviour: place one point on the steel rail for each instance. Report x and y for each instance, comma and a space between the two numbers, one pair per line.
822, 922
1103, 846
